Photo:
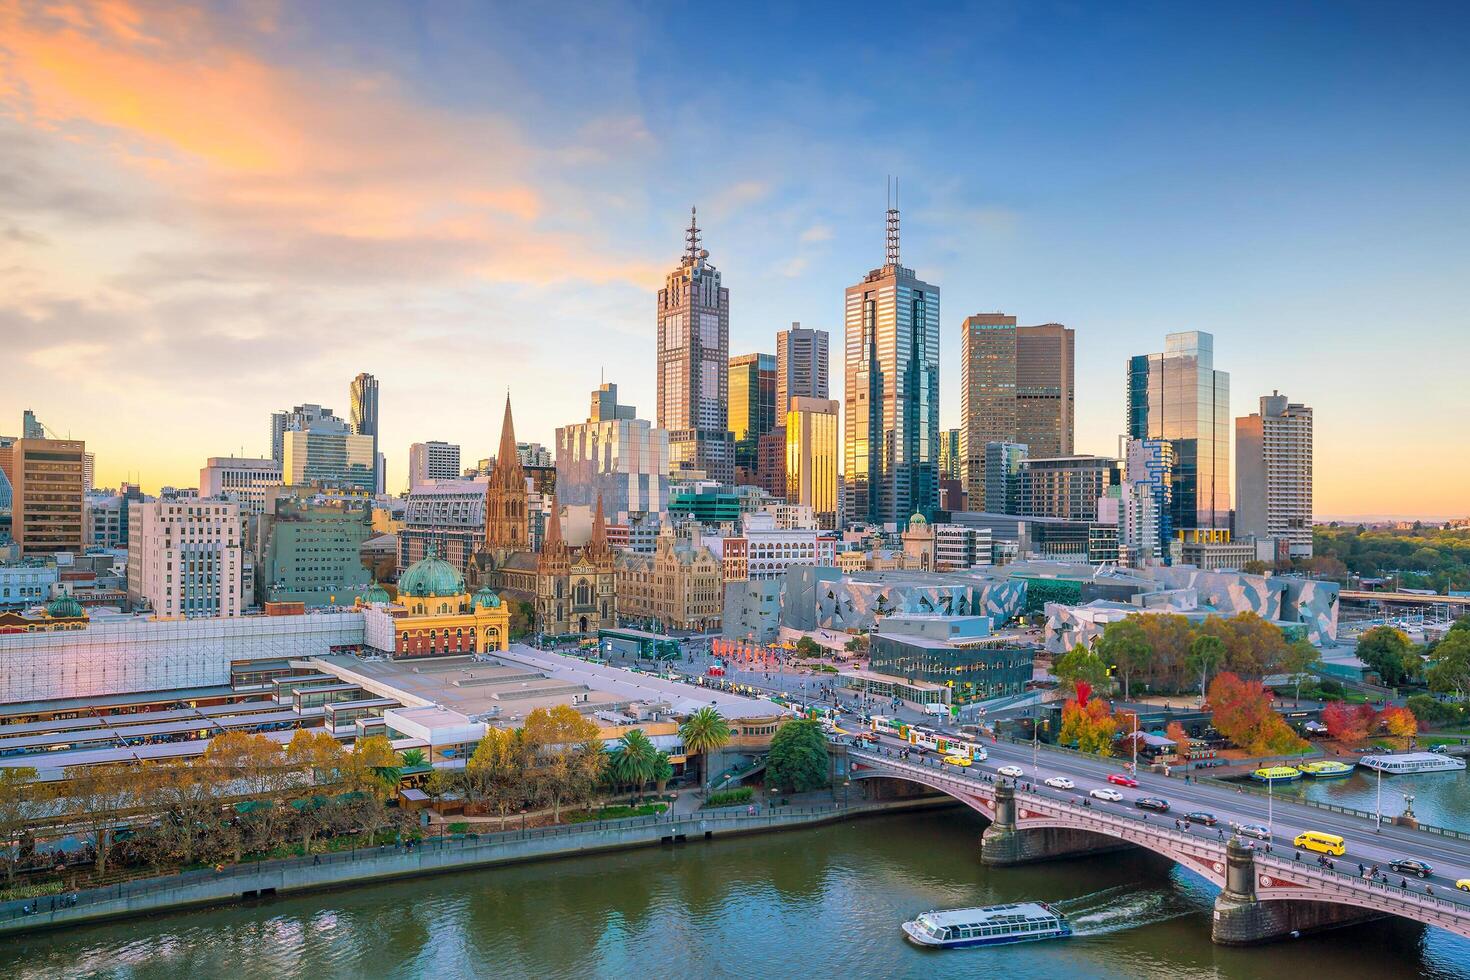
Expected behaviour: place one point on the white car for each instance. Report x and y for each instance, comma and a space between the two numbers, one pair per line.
1061, 782
1110, 795
1015, 772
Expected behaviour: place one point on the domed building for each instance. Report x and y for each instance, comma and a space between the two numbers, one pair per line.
435, 614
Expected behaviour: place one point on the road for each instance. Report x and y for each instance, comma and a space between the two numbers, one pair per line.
1449, 857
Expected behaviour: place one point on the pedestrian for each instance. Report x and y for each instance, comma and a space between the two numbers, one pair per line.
1298, 856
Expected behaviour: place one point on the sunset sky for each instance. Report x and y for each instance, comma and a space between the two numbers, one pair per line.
210, 212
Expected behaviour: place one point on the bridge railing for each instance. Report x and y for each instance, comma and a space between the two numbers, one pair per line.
1343, 883
1332, 807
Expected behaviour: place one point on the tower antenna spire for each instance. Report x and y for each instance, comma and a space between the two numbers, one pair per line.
691, 238
892, 258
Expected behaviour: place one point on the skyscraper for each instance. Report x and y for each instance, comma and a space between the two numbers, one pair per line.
325, 453
432, 460
811, 457
891, 431
1179, 396
1001, 491
753, 407
364, 395
801, 365
299, 418
47, 507
1018, 387
949, 454
1149, 463
693, 364
1273, 474
614, 457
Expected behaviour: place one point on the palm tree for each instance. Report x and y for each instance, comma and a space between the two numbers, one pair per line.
412, 757
635, 759
704, 732
663, 771
1205, 654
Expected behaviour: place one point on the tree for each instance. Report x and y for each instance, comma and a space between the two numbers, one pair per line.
1450, 671
1176, 734
1241, 711
250, 765
1399, 721
21, 801
186, 797
1206, 652
1389, 653
704, 732
1348, 723
1432, 711
1088, 725
1254, 567
372, 767
1300, 659
413, 758
499, 770
663, 771
798, 757
556, 739
1124, 646
316, 751
808, 647
97, 796
634, 760
1080, 665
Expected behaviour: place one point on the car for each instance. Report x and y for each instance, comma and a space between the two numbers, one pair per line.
1463, 884
1438, 749
867, 737
1120, 779
1105, 794
1200, 816
1408, 866
1258, 831
1061, 782
963, 761
1015, 772
1153, 803
1363, 749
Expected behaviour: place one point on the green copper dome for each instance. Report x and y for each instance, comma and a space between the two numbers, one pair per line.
487, 599
431, 577
917, 521
64, 607
375, 593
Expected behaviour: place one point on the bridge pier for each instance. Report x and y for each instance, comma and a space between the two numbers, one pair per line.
1004, 844
1242, 919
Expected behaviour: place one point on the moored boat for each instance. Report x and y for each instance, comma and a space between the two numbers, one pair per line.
1326, 769
1277, 774
1412, 762
990, 925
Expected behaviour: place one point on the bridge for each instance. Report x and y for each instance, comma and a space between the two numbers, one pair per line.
1264, 894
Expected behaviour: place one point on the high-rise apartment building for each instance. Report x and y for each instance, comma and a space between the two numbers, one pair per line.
1018, 386
1001, 493
364, 413
46, 488
811, 457
693, 364
534, 455
185, 557
1179, 396
432, 460
1273, 474
1149, 464
613, 455
89, 470
801, 365
1066, 487
327, 454
299, 418
245, 480
891, 430
753, 407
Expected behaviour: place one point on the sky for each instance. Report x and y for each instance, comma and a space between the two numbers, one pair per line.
209, 212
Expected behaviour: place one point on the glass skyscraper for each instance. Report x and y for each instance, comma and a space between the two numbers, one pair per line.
891, 430
753, 410
1179, 396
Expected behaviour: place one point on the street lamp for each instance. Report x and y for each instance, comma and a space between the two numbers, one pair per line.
1378, 810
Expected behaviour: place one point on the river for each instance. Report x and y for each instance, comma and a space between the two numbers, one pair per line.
1440, 798
824, 901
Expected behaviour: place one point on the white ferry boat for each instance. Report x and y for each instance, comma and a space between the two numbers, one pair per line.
1412, 762
990, 925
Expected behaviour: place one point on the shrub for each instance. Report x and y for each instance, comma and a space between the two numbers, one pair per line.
1432, 711
729, 797
461, 827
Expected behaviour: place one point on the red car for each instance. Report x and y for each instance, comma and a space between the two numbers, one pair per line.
1118, 779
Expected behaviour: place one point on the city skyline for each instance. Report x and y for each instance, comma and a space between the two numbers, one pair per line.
172, 279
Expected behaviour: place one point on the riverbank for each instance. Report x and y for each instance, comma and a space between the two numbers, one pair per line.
254, 880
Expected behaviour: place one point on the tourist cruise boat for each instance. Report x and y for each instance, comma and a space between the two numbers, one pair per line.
1277, 774
1412, 762
990, 925
1326, 769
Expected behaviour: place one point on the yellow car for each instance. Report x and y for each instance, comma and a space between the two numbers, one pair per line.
958, 760
1463, 884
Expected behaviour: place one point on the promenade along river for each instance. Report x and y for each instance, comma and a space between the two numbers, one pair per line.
822, 902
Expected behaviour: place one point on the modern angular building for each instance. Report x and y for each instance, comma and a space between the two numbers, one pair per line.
364, 416
951, 464
614, 455
1273, 474
1178, 395
693, 364
753, 407
801, 365
811, 457
891, 430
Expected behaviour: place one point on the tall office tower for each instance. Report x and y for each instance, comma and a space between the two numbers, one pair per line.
1149, 463
432, 461
299, 418
327, 454
613, 455
364, 395
1273, 474
891, 430
1179, 396
1018, 386
950, 466
752, 408
1001, 492
243, 480
1067, 487
185, 557
811, 457
46, 490
30, 426
801, 365
693, 364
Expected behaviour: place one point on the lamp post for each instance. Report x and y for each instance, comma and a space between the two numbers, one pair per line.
1378, 810
1270, 809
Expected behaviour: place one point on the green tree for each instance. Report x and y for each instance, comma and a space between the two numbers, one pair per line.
557, 740
1206, 653
1390, 654
1125, 648
634, 760
22, 798
798, 757
1450, 671
808, 647
1080, 664
412, 758
498, 772
1300, 659
663, 771
704, 732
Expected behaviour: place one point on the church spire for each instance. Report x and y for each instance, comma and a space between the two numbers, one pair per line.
598, 544
505, 494
552, 543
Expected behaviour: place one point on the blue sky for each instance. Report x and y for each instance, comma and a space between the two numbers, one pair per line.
465, 197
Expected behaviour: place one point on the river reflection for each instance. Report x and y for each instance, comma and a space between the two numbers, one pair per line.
820, 901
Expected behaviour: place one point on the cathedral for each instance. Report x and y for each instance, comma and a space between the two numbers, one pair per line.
573, 590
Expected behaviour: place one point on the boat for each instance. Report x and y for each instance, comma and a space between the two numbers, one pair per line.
1412, 762
1326, 769
989, 925
1277, 774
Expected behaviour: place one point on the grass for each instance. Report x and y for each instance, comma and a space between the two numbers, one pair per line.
30, 891
618, 812
743, 794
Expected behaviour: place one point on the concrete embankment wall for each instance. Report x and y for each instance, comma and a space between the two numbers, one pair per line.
347, 868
